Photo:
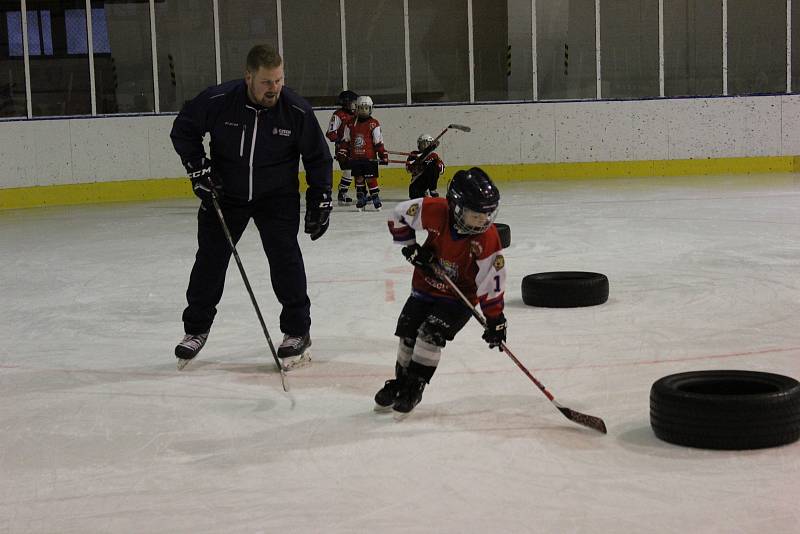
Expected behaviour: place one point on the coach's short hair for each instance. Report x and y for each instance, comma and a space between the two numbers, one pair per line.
263, 56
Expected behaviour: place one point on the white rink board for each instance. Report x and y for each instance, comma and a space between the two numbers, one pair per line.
46, 152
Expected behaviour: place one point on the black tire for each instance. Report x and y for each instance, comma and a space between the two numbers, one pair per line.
564, 289
731, 410
505, 234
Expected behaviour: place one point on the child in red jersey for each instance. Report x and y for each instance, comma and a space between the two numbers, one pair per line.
339, 121
464, 242
425, 167
362, 143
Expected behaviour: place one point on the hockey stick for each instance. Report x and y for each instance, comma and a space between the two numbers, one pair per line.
396, 153
595, 423
430, 148
249, 289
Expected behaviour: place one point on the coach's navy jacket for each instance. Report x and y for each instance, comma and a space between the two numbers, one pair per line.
254, 150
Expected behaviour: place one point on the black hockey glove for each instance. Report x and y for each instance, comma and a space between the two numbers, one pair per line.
202, 182
495, 332
318, 212
419, 256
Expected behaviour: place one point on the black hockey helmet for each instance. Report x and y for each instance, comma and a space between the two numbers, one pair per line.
347, 100
474, 201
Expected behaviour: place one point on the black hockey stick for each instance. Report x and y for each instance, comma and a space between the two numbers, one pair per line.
249, 289
595, 423
431, 147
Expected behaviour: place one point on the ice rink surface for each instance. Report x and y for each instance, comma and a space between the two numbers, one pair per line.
100, 433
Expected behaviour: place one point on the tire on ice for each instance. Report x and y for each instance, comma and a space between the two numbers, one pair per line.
565, 289
731, 410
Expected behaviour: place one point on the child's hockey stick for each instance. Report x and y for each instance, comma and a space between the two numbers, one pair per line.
590, 421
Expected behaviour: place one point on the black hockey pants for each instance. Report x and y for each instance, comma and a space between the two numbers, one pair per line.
278, 221
425, 182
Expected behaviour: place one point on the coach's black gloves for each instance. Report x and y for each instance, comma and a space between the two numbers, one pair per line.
419, 256
202, 182
318, 212
495, 332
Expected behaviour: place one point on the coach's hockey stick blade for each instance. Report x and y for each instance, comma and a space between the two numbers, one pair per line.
460, 127
284, 382
590, 421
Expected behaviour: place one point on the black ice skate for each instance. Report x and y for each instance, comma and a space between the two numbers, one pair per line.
387, 395
361, 201
343, 199
408, 397
293, 352
187, 349
376, 202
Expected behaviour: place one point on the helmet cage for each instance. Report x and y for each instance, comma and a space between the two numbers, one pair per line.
424, 141
364, 107
469, 221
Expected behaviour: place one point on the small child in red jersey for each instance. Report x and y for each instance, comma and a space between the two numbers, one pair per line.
362, 143
463, 241
425, 167
339, 121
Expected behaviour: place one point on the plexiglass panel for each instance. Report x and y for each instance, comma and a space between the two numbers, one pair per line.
12, 65
242, 25
566, 50
376, 50
186, 58
692, 47
123, 58
59, 66
756, 46
312, 49
629, 48
439, 51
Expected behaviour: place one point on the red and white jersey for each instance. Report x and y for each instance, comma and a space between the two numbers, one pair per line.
339, 120
475, 263
431, 159
363, 139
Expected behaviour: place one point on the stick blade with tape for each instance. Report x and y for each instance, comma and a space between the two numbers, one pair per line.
460, 127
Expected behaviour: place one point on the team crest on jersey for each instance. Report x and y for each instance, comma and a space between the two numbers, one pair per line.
475, 248
282, 132
359, 141
412, 210
499, 262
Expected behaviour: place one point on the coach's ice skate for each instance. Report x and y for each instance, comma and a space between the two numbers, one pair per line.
293, 351
188, 348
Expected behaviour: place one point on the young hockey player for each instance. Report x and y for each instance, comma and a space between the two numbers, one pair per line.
339, 121
362, 142
462, 241
425, 167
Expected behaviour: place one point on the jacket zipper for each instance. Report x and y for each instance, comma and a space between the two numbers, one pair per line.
252, 151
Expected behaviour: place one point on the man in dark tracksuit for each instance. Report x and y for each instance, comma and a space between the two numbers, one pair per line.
258, 129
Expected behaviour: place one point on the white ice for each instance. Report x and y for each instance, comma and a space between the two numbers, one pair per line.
100, 433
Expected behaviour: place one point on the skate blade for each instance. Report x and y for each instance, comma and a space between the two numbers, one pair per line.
291, 363
382, 409
182, 363
399, 416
